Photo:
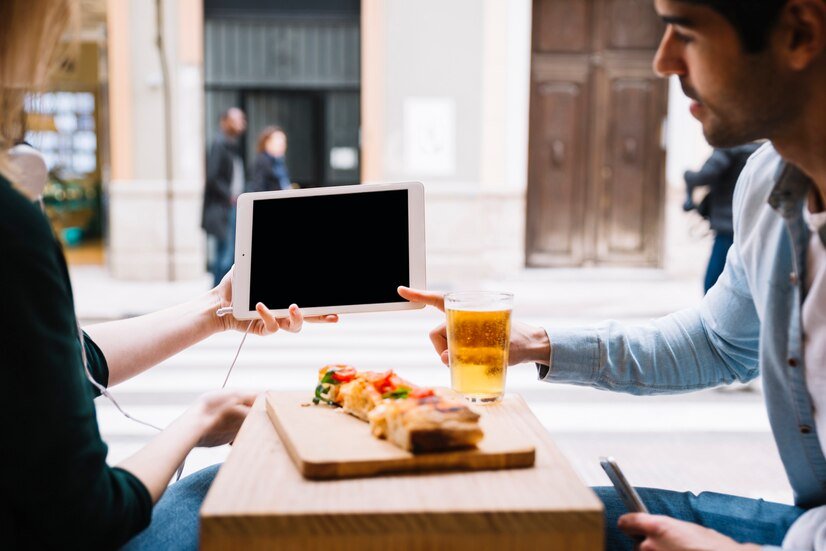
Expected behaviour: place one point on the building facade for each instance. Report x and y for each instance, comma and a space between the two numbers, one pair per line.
443, 95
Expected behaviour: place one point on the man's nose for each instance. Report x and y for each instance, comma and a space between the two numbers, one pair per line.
668, 60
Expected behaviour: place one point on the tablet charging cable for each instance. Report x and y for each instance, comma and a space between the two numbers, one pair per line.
221, 312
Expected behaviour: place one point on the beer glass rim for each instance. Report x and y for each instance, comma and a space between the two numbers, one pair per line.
467, 298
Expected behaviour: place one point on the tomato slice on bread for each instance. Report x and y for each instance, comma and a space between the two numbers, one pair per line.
345, 374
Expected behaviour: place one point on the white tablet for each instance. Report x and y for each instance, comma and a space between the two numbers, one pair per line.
329, 250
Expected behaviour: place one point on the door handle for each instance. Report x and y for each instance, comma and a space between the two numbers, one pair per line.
557, 152
629, 149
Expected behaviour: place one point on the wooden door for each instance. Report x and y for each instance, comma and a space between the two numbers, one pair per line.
596, 161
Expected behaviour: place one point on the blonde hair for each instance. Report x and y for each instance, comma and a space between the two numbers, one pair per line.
31, 45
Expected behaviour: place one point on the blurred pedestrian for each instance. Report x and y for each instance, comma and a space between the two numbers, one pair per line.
269, 172
225, 181
719, 174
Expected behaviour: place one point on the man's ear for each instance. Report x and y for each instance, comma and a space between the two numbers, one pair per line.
802, 28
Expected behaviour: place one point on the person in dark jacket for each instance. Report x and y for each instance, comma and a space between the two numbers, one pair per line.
225, 181
269, 172
719, 174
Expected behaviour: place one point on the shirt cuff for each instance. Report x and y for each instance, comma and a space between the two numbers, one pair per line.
574, 357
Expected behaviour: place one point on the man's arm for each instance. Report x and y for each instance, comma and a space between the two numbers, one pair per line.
713, 344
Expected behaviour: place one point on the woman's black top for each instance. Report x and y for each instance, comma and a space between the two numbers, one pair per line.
57, 490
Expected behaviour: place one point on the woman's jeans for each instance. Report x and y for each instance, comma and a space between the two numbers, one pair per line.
742, 519
175, 523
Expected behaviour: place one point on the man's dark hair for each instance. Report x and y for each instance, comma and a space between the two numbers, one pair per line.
752, 19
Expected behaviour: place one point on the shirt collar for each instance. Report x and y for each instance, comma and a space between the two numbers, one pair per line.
791, 188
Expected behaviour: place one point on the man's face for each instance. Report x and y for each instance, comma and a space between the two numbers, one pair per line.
737, 96
235, 122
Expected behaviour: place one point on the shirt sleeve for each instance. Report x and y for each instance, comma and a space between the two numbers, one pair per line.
713, 344
96, 362
54, 477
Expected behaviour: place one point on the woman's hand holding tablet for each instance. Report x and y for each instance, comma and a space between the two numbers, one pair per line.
268, 322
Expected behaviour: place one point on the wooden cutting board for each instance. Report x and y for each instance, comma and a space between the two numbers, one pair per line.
326, 443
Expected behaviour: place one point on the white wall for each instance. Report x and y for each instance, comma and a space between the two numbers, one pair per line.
686, 146
688, 241
138, 245
472, 60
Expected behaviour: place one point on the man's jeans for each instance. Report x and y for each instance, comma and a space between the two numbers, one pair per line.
175, 524
742, 519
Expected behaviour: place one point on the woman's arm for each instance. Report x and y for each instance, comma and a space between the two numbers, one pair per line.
133, 345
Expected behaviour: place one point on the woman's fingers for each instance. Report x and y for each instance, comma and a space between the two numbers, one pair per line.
269, 320
295, 321
431, 298
248, 397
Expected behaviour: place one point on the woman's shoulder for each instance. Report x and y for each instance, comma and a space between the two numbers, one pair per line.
23, 226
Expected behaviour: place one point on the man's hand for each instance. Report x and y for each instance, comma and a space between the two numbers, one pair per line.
268, 323
662, 533
528, 343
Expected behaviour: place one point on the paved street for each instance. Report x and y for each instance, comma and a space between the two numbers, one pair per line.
712, 440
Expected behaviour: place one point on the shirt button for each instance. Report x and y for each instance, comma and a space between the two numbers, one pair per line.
805, 429
793, 278
792, 362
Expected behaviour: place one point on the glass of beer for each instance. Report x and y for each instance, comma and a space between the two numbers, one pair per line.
478, 339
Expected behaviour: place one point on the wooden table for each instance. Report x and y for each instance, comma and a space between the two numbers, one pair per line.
260, 501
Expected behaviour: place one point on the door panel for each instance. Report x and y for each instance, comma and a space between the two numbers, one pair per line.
629, 25
557, 170
596, 165
561, 26
631, 196
342, 138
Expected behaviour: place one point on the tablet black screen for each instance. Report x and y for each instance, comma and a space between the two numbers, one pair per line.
330, 250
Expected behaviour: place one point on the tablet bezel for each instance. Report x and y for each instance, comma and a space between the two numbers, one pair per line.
243, 245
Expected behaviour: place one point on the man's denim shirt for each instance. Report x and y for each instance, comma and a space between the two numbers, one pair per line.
748, 323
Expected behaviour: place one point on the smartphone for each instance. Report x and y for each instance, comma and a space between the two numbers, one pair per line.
627, 493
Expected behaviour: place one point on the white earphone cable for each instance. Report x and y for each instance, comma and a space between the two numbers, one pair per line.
237, 352
103, 390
